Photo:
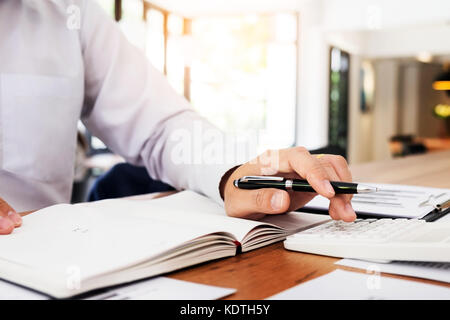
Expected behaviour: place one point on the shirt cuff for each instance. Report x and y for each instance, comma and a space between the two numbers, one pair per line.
212, 177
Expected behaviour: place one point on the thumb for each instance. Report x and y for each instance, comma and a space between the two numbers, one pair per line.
268, 201
5, 208
9, 218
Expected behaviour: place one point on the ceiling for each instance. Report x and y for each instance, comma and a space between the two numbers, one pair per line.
336, 14
376, 28
194, 8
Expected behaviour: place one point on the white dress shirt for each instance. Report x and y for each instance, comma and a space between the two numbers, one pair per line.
52, 75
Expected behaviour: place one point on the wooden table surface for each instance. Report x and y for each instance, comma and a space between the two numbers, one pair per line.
264, 272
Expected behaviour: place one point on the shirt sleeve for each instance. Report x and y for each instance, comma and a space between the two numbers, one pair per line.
132, 108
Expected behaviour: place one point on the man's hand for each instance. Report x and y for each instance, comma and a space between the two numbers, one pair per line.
9, 218
297, 163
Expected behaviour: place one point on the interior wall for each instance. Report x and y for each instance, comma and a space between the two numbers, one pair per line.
409, 98
407, 42
418, 98
404, 102
313, 71
429, 125
402, 90
370, 131
373, 14
360, 123
313, 82
385, 113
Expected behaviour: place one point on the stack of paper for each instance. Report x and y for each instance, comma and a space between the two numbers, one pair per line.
391, 201
425, 270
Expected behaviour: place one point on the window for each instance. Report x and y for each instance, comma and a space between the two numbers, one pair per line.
240, 71
165, 44
177, 55
109, 6
243, 74
132, 23
155, 42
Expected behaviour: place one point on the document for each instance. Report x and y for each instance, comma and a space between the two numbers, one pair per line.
425, 270
163, 288
391, 201
346, 285
9, 291
160, 288
445, 218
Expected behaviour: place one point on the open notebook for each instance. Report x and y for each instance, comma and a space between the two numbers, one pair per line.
398, 201
65, 250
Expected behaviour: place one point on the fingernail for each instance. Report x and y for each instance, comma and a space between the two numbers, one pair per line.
277, 200
16, 218
328, 188
349, 210
5, 224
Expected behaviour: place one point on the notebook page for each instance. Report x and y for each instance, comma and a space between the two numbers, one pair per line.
391, 200
210, 213
121, 232
173, 209
296, 221
186, 208
63, 239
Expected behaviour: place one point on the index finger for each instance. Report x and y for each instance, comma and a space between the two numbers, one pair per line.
341, 168
299, 160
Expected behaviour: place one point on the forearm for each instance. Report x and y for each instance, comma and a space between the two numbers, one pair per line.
188, 152
132, 108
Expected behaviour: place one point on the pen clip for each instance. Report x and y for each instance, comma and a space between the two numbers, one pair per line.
444, 205
259, 178
432, 201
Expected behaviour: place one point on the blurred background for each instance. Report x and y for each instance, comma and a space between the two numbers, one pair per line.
367, 79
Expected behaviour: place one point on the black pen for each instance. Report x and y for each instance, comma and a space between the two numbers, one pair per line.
258, 182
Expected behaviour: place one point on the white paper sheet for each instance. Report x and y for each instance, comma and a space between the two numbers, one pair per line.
445, 218
346, 285
392, 200
9, 291
425, 270
161, 288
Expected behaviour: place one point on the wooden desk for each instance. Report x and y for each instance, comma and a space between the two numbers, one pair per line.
264, 272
